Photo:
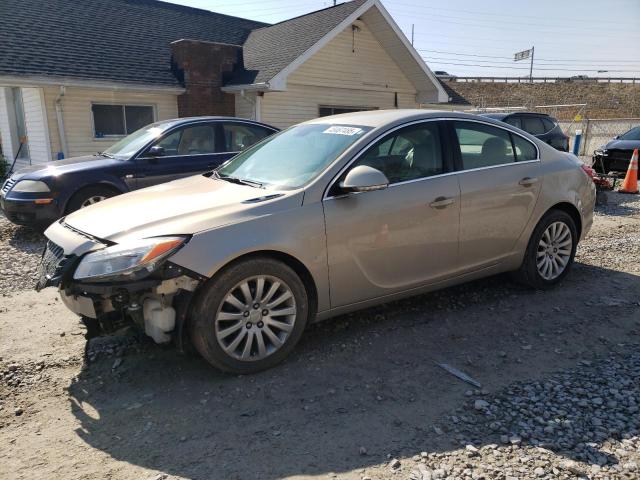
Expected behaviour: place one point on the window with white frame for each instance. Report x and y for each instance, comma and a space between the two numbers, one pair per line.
119, 120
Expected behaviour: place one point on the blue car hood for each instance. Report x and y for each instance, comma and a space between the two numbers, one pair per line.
60, 167
622, 144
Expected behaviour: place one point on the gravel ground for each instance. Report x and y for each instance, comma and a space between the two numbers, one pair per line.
20, 251
361, 398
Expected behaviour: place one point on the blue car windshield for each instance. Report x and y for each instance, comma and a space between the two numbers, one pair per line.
633, 134
293, 157
129, 145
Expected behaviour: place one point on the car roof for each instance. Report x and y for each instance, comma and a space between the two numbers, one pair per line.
186, 120
381, 118
503, 115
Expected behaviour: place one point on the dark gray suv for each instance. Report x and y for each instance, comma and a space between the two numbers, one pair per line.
540, 125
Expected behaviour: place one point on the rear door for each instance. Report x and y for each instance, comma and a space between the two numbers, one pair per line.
500, 182
185, 151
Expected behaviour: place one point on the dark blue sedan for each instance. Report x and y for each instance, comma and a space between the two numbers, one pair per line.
160, 152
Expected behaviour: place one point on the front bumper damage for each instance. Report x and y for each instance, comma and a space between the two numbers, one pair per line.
158, 304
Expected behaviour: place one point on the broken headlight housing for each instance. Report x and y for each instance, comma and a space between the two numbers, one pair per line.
127, 261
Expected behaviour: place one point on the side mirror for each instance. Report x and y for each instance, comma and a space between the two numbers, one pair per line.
155, 151
364, 179
616, 137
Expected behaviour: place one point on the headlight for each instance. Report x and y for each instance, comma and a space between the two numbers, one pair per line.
127, 261
30, 186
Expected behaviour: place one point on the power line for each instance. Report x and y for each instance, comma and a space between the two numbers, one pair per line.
493, 15
494, 62
514, 28
527, 68
511, 57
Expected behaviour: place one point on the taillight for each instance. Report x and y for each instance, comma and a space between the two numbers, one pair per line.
588, 170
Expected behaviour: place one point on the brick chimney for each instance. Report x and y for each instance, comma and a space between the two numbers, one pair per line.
202, 67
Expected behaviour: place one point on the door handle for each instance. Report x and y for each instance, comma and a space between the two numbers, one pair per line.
441, 202
528, 181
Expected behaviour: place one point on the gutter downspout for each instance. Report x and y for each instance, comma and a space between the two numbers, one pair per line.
61, 132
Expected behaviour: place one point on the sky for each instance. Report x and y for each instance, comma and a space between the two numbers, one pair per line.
479, 37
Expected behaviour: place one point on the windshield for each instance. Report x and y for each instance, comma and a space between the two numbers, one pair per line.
633, 134
129, 145
293, 157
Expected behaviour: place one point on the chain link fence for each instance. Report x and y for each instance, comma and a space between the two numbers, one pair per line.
596, 132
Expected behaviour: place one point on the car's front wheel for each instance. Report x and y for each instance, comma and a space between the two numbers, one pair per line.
550, 251
88, 196
250, 316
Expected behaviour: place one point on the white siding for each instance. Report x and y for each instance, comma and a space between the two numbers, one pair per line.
341, 74
36, 125
78, 121
300, 102
5, 128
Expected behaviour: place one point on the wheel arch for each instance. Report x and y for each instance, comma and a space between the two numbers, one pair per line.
292, 262
103, 184
572, 211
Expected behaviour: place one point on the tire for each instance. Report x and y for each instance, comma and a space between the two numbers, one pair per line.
215, 314
529, 273
82, 197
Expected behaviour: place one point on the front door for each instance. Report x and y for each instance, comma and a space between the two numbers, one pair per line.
386, 241
499, 183
182, 152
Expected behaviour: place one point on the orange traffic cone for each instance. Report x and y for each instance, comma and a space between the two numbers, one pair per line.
630, 184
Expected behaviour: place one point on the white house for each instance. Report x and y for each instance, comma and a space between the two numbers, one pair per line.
70, 87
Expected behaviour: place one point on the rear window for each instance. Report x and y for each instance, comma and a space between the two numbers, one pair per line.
533, 125
548, 125
525, 150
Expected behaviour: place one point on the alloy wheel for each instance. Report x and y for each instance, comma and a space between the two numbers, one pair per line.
255, 318
91, 200
554, 250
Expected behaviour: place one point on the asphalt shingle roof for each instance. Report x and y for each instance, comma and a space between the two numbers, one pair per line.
108, 40
270, 49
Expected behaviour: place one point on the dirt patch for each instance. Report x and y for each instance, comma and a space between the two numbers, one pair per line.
362, 396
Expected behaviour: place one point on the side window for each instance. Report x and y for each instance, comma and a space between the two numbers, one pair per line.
195, 140
238, 137
533, 125
548, 125
483, 145
515, 121
407, 154
525, 150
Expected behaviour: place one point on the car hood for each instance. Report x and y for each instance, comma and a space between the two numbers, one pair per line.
622, 145
59, 167
182, 207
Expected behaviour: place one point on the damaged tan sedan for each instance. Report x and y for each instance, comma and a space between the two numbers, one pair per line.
326, 217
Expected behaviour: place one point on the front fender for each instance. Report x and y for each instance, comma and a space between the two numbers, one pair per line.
297, 232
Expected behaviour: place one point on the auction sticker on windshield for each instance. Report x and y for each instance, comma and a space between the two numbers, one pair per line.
343, 130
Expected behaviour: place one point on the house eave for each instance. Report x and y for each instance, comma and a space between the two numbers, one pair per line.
41, 81
247, 87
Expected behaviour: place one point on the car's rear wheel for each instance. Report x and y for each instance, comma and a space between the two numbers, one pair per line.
550, 252
89, 196
250, 316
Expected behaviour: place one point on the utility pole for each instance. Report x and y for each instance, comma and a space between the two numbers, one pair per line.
522, 56
412, 25
531, 68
